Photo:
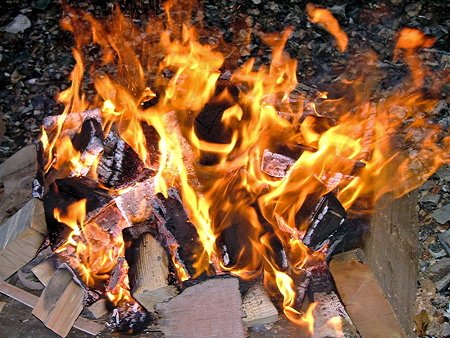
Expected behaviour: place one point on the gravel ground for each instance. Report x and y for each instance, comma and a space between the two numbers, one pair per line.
36, 62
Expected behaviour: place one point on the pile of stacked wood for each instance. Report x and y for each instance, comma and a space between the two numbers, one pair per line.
157, 233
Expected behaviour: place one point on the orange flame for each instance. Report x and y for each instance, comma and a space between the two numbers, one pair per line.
327, 20
348, 145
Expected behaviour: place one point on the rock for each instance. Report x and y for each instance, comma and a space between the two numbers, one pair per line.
430, 200
437, 250
445, 330
444, 238
444, 173
256, 2
19, 24
442, 215
40, 4
440, 273
413, 9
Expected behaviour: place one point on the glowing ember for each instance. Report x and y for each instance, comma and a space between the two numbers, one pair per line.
166, 65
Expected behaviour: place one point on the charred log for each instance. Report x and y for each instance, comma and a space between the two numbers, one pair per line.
120, 165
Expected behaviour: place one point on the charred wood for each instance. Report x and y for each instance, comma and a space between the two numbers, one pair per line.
120, 165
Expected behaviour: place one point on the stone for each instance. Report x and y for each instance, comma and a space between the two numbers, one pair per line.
19, 24
442, 215
444, 238
430, 200
437, 250
440, 273
445, 330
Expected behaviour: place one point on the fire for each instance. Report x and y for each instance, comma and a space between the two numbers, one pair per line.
165, 77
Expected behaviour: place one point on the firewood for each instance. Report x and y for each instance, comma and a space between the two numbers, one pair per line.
16, 176
98, 309
257, 306
119, 165
178, 225
149, 272
31, 300
2, 305
213, 307
60, 303
44, 270
363, 297
72, 121
327, 217
89, 142
136, 202
21, 237
275, 165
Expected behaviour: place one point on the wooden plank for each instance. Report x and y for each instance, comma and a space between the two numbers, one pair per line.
209, 309
21, 237
391, 250
98, 309
149, 273
60, 303
44, 270
257, 306
16, 176
31, 300
363, 298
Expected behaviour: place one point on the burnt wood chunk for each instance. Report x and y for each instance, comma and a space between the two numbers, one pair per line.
89, 142
149, 272
257, 306
119, 165
136, 202
275, 165
152, 142
66, 191
21, 236
213, 307
347, 237
184, 232
327, 217
60, 303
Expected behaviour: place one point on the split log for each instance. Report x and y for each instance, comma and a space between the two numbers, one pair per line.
60, 303
363, 297
16, 176
119, 165
257, 307
2, 305
72, 121
136, 202
98, 309
214, 306
89, 142
177, 223
328, 216
149, 272
21, 237
31, 300
45, 270
275, 165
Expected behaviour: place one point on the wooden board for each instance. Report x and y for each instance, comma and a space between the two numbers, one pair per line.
31, 300
391, 249
60, 303
44, 270
16, 175
21, 237
363, 298
209, 309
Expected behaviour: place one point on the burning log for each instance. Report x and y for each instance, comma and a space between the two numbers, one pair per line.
257, 306
149, 272
275, 165
31, 300
327, 218
89, 142
120, 165
60, 303
21, 237
72, 121
215, 306
184, 232
64, 192
136, 203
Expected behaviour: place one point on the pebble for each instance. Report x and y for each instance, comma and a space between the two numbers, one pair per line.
445, 331
444, 238
19, 24
437, 250
440, 273
442, 215
430, 200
